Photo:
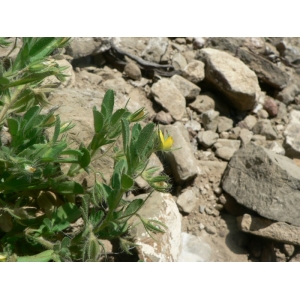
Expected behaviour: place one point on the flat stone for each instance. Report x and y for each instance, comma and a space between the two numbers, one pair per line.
232, 77
234, 144
194, 71
251, 176
277, 231
245, 136
169, 97
188, 89
250, 121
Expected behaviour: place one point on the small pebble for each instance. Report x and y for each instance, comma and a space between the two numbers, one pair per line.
201, 226
201, 209
211, 229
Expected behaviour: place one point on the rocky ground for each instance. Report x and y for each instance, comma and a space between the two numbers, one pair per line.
232, 106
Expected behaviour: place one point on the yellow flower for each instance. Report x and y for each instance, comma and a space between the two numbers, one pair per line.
165, 144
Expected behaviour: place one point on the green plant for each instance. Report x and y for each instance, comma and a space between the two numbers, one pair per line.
39, 202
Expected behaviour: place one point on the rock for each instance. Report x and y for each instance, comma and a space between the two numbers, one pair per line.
210, 120
234, 144
255, 44
210, 229
199, 42
166, 246
84, 46
187, 201
271, 107
194, 71
232, 77
207, 138
225, 43
295, 258
288, 94
193, 124
251, 176
225, 153
164, 118
133, 71
245, 136
292, 135
89, 77
224, 124
155, 49
265, 70
187, 89
277, 231
212, 167
179, 61
276, 148
250, 121
262, 114
202, 104
231, 205
169, 97
194, 249
288, 249
182, 161
289, 48
264, 127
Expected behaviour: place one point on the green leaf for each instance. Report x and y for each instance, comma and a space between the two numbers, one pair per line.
31, 113
116, 181
144, 139
56, 130
98, 120
133, 207
13, 126
125, 134
96, 217
67, 212
85, 159
127, 182
68, 187
4, 81
108, 102
44, 256
117, 116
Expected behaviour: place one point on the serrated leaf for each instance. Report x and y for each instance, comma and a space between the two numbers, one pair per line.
126, 182
98, 120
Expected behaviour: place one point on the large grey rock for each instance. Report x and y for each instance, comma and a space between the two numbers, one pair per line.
182, 161
155, 49
277, 231
264, 182
169, 97
292, 135
166, 246
188, 89
289, 48
265, 70
232, 77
